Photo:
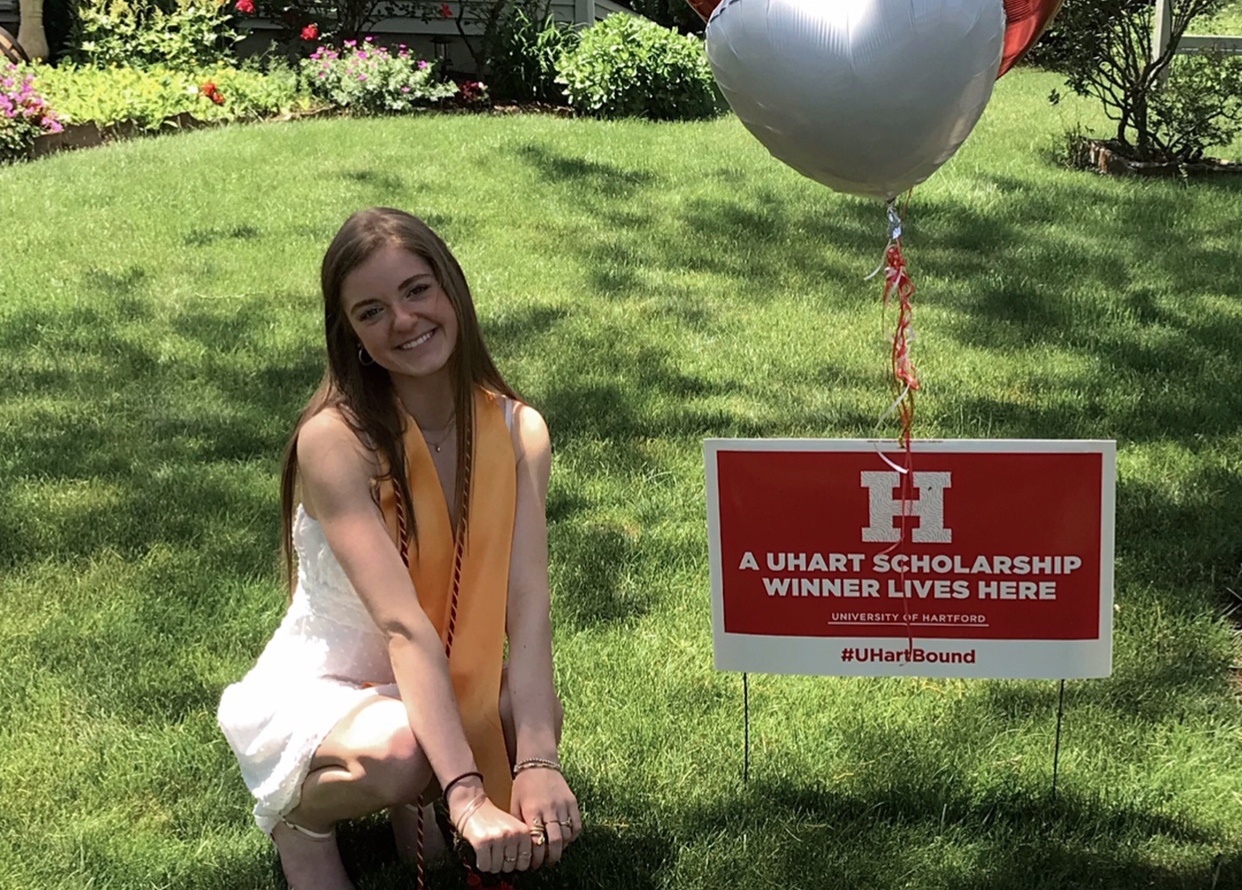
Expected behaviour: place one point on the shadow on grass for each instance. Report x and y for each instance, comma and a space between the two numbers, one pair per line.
1100, 270
604, 856
1010, 838
122, 444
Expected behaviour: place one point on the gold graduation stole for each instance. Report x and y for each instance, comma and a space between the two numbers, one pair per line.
476, 648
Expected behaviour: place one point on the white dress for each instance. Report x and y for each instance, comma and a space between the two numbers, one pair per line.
310, 675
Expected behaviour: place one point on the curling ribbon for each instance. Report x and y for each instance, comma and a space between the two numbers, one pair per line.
899, 289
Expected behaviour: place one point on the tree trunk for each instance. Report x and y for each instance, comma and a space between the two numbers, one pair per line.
30, 34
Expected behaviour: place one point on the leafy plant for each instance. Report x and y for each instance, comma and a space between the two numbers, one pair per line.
1200, 106
139, 33
1167, 108
148, 97
524, 60
626, 66
24, 113
369, 79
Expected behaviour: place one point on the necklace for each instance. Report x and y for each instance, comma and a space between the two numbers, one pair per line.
448, 428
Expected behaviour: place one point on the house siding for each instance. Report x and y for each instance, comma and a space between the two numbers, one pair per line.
424, 38
9, 16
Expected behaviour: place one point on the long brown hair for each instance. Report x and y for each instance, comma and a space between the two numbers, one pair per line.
364, 394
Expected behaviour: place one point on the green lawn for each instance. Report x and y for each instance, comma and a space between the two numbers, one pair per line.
645, 286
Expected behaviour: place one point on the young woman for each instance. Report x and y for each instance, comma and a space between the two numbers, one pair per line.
421, 546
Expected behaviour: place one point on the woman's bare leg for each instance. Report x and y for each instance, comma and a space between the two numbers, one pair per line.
369, 761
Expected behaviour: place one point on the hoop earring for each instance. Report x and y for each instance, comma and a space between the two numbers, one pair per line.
364, 357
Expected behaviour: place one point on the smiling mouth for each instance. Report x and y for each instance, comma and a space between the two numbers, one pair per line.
417, 341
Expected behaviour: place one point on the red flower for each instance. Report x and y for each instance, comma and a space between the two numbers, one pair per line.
310, 32
217, 98
207, 89
246, 6
446, 11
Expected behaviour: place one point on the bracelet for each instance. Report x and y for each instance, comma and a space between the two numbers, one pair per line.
535, 763
471, 809
473, 772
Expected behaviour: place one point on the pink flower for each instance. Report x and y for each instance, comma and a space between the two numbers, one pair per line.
310, 32
245, 6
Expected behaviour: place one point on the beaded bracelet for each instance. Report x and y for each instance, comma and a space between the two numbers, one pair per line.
535, 763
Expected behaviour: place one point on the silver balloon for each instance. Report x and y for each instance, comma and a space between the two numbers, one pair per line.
865, 96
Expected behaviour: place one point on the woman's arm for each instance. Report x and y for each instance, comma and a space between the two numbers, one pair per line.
537, 793
336, 472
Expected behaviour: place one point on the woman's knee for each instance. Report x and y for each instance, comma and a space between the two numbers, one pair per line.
376, 747
392, 768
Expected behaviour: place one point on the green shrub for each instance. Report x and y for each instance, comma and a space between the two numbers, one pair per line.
524, 59
626, 66
1199, 107
138, 33
368, 79
149, 96
1168, 109
24, 112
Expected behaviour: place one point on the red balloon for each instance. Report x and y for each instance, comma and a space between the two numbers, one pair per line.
1025, 21
703, 7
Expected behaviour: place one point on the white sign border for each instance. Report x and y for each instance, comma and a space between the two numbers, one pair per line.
1009, 659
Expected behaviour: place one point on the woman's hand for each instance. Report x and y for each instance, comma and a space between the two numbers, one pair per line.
500, 842
541, 796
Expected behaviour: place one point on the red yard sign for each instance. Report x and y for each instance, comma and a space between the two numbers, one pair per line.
993, 559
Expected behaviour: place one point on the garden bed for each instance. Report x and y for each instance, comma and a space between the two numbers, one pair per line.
91, 135
1108, 156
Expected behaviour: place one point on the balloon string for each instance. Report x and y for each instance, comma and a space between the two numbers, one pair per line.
899, 289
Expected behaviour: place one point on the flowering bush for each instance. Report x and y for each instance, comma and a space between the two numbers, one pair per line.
139, 33
369, 79
24, 113
212, 92
472, 92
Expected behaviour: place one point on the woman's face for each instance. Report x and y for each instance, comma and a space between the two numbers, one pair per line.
400, 313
